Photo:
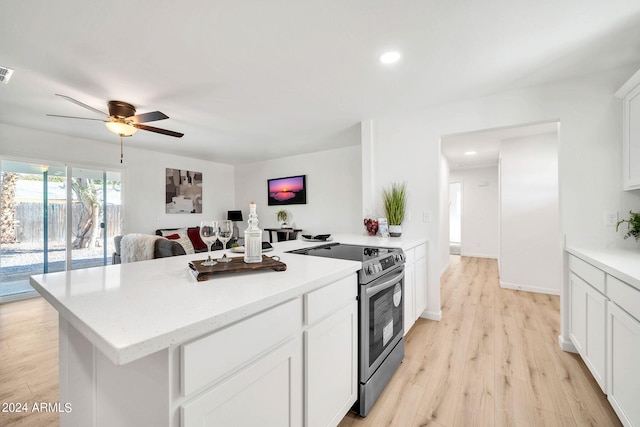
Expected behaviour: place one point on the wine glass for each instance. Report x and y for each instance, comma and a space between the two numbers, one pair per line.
209, 234
225, 231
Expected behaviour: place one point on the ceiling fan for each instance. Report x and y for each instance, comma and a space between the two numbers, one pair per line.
122, 119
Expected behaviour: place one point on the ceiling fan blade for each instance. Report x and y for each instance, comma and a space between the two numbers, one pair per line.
148, 117
158, 130
88, 107
73, 117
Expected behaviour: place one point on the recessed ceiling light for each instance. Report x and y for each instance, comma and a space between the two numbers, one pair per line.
470, 153
390, 57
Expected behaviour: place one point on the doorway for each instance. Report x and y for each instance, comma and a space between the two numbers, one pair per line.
53, 218
455, 217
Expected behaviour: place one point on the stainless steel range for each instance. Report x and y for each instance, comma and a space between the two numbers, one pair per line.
380, 313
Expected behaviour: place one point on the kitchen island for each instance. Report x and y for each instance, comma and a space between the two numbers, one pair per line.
146, 344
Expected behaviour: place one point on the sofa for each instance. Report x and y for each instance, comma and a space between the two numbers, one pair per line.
177, 241
162, 248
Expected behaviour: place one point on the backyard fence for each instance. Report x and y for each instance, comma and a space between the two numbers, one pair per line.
30, 224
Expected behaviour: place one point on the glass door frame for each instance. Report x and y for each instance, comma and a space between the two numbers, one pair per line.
103, 224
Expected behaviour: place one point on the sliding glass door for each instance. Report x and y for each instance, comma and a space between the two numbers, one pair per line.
53, 218
96, 216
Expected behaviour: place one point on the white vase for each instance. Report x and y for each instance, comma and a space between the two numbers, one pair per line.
395, 230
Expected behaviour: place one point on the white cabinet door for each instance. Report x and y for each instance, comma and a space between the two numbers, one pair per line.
595, 346
331, 367
587, 329
623, 370
266, 393
409, 297
420, 280
631, 139
578, 323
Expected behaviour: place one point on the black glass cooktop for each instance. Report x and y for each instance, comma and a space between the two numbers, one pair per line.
343, 251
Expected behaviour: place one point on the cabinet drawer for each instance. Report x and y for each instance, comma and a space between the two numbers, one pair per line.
267, 393
625, 296
590, 274
214, 356
324, 301
421, 251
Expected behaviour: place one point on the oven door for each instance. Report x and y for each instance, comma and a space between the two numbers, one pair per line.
381, 320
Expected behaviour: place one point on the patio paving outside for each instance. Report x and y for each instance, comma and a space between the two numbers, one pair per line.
18, 261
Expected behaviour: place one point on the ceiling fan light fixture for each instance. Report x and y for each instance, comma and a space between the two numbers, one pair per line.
120, 128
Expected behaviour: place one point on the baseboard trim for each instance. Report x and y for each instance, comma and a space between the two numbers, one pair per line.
432, 315
475, 255
566, 345
527, 288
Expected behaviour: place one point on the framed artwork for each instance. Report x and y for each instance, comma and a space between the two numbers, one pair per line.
291, 190
184, 191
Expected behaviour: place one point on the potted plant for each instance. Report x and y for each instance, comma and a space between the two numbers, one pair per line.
395, 203
633, 225
282, 218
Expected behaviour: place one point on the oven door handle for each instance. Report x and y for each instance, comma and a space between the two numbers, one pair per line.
386, 284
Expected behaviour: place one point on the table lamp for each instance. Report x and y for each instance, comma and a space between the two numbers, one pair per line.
235, 216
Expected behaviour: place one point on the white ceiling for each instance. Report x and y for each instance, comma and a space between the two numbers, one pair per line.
253, 80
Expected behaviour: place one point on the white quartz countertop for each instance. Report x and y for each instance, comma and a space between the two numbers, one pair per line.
622, 263
129, 311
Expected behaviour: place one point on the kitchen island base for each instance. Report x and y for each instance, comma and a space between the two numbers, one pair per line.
264, 370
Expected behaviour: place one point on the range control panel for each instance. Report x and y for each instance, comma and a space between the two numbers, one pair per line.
384, 264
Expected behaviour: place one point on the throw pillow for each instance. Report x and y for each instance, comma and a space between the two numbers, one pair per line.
184, 242
179, 231
196, 240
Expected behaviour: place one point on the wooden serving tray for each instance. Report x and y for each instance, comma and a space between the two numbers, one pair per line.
236, 265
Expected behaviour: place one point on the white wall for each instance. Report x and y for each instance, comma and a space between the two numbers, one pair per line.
143, 172
334, 190
480, 211
530, 242
589, 154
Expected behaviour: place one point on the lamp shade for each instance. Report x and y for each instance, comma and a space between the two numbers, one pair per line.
120, 128
234, 215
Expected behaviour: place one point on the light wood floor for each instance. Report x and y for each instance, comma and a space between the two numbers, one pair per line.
28, 360
493, 360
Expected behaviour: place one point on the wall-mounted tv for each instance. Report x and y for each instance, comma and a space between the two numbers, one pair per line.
291, 190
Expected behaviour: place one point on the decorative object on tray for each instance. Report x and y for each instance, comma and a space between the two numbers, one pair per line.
225, 231
633, 225
395, 203
371, 225
282, 216
317, 238
291, 190
253, 237
209, 234
236, 265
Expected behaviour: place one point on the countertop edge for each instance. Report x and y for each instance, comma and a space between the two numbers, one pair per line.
611, 261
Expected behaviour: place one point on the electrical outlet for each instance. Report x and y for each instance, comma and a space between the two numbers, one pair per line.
611, 218
426, 216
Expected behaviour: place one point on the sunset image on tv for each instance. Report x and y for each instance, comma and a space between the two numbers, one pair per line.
287, 191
